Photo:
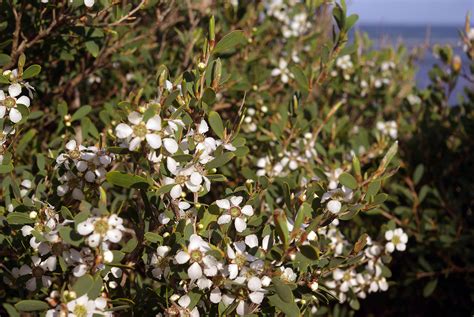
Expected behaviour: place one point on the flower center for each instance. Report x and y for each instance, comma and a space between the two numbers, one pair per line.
37, 272
101, 226
199, 138
181, 179
9, 102
234, 211
74, 182
346, 277
196, 256
80, 311
57, 248
240, 260
75, 154
396, 239
140, 130
90, 166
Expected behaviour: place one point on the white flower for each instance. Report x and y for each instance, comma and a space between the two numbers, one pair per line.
347, 279
195, 253
388, 128
288, 274
333, 177
238, 258
188, 177
83, 306
282, 71
140, 131
234, 212
89, 3
101, 229
38, 271
256, 295
160, 261
344, 62
397, 239
183, 308
203, 143
334, 198
8, 104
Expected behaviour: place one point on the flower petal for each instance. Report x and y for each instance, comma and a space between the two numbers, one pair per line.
247, 210
170, 145
195, 271
154, 123
240, 224
154, 140
176, 191
224, 219
14, 90
134, 117
15, 115
223, 203
123, 131
182, 257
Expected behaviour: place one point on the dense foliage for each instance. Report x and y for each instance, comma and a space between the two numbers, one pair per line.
215, 158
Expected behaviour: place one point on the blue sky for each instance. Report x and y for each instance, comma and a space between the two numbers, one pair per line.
411, 12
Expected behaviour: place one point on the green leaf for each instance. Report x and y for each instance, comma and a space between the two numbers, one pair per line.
25, 140
230, 41
83, 284
300, 78
389, 156
373, 188
216, 124
4, 79
220, 160
303, 212
348, 180
418, 174
70, 236
126, 180
82, 216
92, 48
282, 227
164, 189
309, 252
350, 21
31, 305
360, 244
356, 165
4, 59
81, 113
380, 198
6, 168
153, 237
289, 309
209, 96
11, 311
19, 218
354, 303
31, 71
283, 290
430, 288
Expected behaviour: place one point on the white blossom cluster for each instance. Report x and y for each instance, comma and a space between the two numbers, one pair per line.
366, 279
294, 22
388, 128
81, 169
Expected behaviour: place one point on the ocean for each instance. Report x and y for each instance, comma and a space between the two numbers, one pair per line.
415, 36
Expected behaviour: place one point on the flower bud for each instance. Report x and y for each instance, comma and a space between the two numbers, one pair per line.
201, 66
33, 215
334, 206
174, 297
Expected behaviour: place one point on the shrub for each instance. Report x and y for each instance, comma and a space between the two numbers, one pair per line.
214, 158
